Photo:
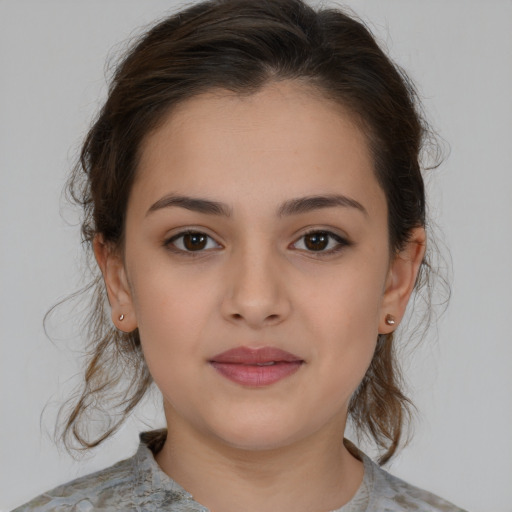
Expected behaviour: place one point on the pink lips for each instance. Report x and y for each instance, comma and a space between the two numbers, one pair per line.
256, 367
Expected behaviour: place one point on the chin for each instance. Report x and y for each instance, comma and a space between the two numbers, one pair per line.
257, 443
266, 434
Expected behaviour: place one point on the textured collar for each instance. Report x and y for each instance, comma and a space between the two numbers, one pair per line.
155, 490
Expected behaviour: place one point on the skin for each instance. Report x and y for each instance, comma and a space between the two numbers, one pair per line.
256, 283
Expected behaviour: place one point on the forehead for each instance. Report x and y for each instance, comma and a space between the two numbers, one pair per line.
285, 140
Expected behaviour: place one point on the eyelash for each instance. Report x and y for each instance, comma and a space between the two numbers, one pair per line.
341, 243
171, 243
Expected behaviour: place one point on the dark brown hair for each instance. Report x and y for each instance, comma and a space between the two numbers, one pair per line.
241, 45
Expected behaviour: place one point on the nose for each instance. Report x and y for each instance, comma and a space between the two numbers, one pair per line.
256, 293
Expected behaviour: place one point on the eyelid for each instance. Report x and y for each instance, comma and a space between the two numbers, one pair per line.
169, 242
342, 242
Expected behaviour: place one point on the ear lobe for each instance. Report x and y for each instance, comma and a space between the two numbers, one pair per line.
401, 279
114, 275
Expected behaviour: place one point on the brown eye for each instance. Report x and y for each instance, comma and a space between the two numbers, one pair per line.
192, 241
317, 241
323, 242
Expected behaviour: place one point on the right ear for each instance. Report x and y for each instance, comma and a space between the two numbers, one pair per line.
118, 289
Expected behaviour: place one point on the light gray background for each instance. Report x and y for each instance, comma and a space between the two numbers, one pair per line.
52, 56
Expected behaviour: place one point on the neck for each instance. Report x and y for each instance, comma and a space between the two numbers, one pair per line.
314, 474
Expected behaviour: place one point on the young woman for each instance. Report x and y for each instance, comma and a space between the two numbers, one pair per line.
253, 197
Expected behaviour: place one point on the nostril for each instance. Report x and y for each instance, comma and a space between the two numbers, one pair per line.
269, 318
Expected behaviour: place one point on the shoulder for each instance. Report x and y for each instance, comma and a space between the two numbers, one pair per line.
136, 483
106, 490
390, 493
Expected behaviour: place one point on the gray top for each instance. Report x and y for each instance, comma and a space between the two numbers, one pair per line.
138, 484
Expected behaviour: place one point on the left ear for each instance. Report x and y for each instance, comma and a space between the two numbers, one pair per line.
402, 274
116, 283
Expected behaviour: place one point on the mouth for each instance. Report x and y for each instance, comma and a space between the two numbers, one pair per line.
256, 367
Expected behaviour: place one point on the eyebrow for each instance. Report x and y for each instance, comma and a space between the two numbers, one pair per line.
194, 204
309, 203
288, 208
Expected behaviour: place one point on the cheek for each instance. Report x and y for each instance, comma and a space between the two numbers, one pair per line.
342, 314
347, 299
172, 307
170, 327
166, 296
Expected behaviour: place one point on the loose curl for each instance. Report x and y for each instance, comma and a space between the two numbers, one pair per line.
240, 46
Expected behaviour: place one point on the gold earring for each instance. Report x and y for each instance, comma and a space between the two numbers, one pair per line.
390, 320
121, 318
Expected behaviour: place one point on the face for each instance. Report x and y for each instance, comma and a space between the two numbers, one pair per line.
256, 265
